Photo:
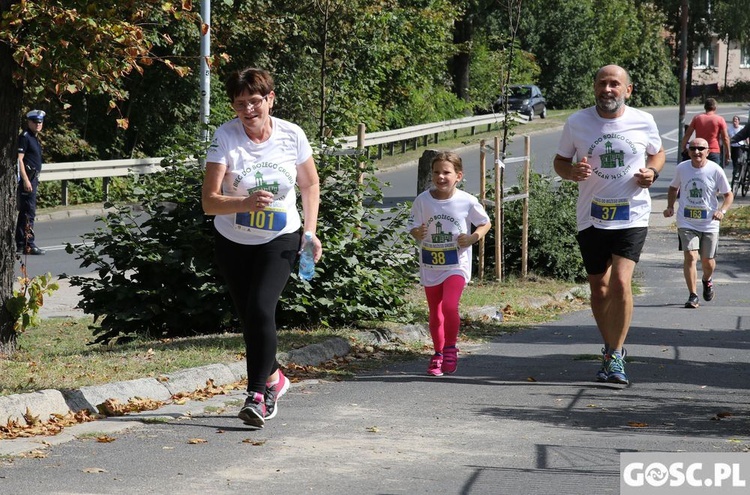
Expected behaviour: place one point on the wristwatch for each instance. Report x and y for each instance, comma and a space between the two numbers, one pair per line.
656, 174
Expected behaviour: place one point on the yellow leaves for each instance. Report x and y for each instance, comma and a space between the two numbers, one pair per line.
105, 439
61, 88
181, 71
195, 441
373, 429
123, 123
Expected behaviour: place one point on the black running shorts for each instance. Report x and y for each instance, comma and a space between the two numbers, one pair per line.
598, 246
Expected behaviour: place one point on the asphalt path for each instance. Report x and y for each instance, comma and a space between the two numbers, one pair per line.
521, 416
52, 235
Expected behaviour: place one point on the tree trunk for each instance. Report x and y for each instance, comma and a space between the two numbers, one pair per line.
11, 95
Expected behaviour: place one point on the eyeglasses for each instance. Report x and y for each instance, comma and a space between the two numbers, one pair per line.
253, 103
698, 148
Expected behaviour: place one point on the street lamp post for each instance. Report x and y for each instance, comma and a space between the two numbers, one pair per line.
683, 74
205, 69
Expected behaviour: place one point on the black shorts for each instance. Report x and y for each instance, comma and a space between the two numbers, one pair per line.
598, 246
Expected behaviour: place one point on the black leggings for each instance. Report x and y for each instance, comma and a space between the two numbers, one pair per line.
256, 275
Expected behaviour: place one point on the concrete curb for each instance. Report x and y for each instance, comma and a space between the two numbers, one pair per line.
48, 402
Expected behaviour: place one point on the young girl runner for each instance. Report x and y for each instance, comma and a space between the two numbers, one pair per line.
441, 219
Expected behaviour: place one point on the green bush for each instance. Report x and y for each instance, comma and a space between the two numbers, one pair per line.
156, 272
368, 257
157, 277
553, 250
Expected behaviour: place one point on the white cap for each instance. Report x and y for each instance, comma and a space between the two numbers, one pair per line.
36, 115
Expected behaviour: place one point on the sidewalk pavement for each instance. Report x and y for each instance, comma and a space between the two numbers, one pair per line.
659, 308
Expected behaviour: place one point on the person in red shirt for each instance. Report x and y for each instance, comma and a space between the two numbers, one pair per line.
712, 128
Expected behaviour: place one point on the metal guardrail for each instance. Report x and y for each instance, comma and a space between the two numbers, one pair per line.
418, 131
106, 169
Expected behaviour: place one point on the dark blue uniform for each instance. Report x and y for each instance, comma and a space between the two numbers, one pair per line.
29, 145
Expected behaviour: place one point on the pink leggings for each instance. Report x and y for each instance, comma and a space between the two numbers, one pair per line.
443, 303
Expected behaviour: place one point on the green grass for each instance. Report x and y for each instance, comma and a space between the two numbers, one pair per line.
57, 354
737, 222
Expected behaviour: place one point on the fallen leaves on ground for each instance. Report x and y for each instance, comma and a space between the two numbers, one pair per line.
210, 390
256, 443
113, 407
34, 426
636, 424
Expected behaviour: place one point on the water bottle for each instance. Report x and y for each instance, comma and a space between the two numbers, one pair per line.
306, 259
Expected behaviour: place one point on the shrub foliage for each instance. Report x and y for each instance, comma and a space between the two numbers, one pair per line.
157, 277
553, 249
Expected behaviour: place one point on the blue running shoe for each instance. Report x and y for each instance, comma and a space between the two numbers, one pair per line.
602, 375
615, 365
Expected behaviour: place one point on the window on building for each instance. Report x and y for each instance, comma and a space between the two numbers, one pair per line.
745, 56
704, 57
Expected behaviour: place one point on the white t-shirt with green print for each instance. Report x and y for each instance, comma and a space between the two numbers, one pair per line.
270, 166
439, 254
616, 149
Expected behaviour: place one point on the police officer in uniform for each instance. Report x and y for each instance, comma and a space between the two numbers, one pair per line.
30, 166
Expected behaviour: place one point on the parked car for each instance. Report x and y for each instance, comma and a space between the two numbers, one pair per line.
525, 99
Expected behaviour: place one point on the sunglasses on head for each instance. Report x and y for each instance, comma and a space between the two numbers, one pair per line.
698, 148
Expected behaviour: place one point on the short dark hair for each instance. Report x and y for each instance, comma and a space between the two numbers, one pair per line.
251, 80
710, 104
